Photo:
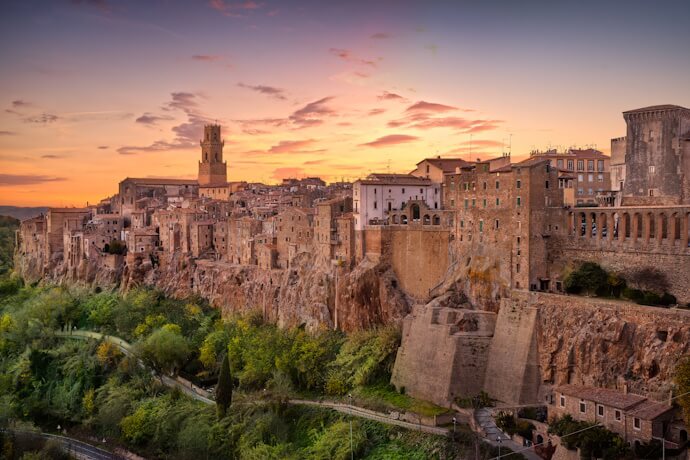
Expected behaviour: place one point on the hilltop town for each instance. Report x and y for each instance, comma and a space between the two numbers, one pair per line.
473, 257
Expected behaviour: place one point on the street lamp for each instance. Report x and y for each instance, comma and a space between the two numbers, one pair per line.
454, 422
499, 440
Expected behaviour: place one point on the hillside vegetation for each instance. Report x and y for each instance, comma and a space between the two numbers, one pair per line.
90, 387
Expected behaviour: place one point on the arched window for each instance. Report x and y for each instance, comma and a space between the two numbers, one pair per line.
427, 219
437, 220
403, 219
395, 219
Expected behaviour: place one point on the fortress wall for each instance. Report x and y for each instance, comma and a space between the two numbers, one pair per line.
512, 374
419, 258
676, 267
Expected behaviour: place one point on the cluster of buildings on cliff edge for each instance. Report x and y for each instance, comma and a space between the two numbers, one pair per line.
527, 220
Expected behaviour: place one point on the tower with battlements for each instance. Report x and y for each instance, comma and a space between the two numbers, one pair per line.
213, 171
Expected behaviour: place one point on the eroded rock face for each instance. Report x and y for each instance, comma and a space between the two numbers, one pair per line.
610, 344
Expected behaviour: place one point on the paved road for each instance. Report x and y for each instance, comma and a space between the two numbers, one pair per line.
371, 415
493, 433
72, 446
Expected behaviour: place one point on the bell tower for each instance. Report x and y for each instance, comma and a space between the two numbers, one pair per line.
212, 169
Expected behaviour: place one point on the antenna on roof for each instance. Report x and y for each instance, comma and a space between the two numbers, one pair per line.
510, 144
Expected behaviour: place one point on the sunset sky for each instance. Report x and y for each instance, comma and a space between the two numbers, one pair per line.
93, 91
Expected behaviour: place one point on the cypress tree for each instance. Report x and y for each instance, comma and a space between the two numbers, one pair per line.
224, 388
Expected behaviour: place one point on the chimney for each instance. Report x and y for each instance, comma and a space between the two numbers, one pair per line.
438, 156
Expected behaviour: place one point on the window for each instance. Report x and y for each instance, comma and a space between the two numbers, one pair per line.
466, 203
636, 423
462, 224
600, 410
600, 165
590, 165
519, 201
559, 163
580, 191
498, 201
518, 184
570, 165
474, 202
484, 202
617, 415
562, 401
517, 268
546, 185
590, 177
481, 226
580, 165
600, 178
583, 407
375, 205
484, 185
421, 191
403, 190
496, 224
652, 169
580, 177
498, 185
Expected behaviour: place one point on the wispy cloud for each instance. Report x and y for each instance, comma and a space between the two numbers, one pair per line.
374, 112
285, 173
388, 96
20, 103
348, 55
291, 146
186, 134
313, 113
271, 91
380, 36
151, 119
234, 9
206, 57
51, 156
43, 118
391, 139
102, 147
7, 133
26, 179
423, 106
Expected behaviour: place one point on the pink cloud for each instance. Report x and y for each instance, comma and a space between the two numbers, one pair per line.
26, 179
290, 146
270, 91
423, 106
206, 57
380, 36
388, 96
374, 112
285, 173
312, 114
349, 56
234, 9
391, 139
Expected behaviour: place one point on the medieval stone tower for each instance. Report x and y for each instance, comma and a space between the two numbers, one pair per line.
212, 169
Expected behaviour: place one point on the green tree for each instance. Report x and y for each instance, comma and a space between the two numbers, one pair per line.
165, 350
590, 277
224, 388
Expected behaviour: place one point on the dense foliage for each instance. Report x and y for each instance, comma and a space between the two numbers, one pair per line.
8, 226
89, 385
647, 285
594, 441
681, 378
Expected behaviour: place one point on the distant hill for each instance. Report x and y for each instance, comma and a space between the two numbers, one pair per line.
21, 213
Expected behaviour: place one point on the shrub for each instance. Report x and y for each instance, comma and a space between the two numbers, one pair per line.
633, 294
668, 299
589, 277
650, 298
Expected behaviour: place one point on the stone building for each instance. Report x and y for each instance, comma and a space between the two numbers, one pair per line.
634, 417
657, 156
213, 171
131, 190
378, 194
295, 233
588, 167
331, 231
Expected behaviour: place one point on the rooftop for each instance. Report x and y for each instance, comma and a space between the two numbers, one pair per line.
446, 164
159, 181
656, 108
606, 396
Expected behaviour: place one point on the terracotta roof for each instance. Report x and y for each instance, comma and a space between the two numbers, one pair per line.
656, 108
530, 162
650, 410
606, 396
446, 164
400, 179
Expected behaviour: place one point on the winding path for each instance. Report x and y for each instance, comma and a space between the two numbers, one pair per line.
71, 446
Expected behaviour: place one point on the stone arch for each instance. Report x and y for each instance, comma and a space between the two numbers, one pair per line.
396, 220
603, 226
437, 220
426, 220
415, 212
403, 219
593, 230
651, 225
615, 224
675, 227
627, 222
571, 223
638, 225
663, 227
583, 224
